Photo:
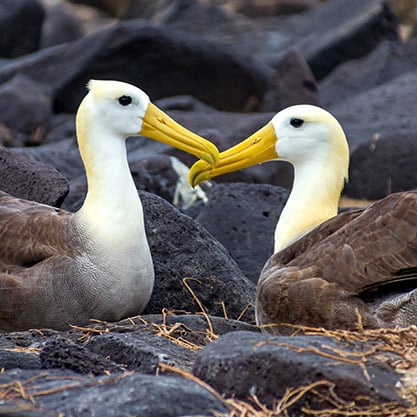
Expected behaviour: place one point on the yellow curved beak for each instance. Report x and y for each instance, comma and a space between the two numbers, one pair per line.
257, 148
159, 126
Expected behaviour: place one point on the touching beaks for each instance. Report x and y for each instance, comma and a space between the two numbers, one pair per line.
159, 126
257, 148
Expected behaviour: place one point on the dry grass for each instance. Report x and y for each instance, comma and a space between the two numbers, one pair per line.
395, 347
176, 332
321, 390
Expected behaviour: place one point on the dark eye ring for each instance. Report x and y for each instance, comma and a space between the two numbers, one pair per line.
296, 122
125, 100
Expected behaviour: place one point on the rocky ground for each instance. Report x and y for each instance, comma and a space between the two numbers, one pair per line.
222, 68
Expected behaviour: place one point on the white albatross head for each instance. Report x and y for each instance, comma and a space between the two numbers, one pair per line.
313, 141
301, 134
118, 109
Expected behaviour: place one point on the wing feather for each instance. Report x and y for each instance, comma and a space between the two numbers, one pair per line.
30, 232
319, 279
361, 248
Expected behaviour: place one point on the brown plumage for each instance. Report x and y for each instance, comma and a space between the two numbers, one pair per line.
359, 263
36, 262
336, 271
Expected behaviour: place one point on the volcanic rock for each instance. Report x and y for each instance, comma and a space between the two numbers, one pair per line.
20, 26
264, 8
192, 269
166, 63
25, 106
243, 218
387, 62
63, 392
384, 165
326, 36
60, 26
381, 109
242, 364
26, 178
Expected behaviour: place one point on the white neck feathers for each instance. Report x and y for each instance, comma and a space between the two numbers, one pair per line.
112, 210
318, 182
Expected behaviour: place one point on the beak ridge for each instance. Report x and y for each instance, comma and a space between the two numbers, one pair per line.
159, 126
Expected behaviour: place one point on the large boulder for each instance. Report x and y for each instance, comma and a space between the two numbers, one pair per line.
243, 218
25, 106
26, 178
192, 269
138, 344
387, 62
384, 165
61, 392
381, 109
61, 25
20, 27
243, 364
335, 32
165, 63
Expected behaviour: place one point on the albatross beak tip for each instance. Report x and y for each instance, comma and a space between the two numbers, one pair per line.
212, 155
199, 172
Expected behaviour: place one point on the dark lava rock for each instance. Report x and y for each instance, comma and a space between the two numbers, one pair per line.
137, 343
76, 196
156, 175
184, 103
384, 165
264, 8
165, 64
243, 218
245, 363
61, 128
61, 352
20, 27
141, 351
118, 8
143, 9
30, 339
12, 359
25, 105
347, 29
196, 329
388, 61
291, 83
61, 392
326, 36
182, 249
60, 26
26, 178
294, 84
385, 108
199, 17
64, 156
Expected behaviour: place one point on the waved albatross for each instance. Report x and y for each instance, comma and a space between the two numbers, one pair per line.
59, 268
358, 268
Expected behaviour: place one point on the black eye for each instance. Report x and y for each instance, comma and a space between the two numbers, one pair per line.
125, 100
296, 122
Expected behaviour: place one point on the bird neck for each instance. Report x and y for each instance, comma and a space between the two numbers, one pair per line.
313, 200
112, 211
